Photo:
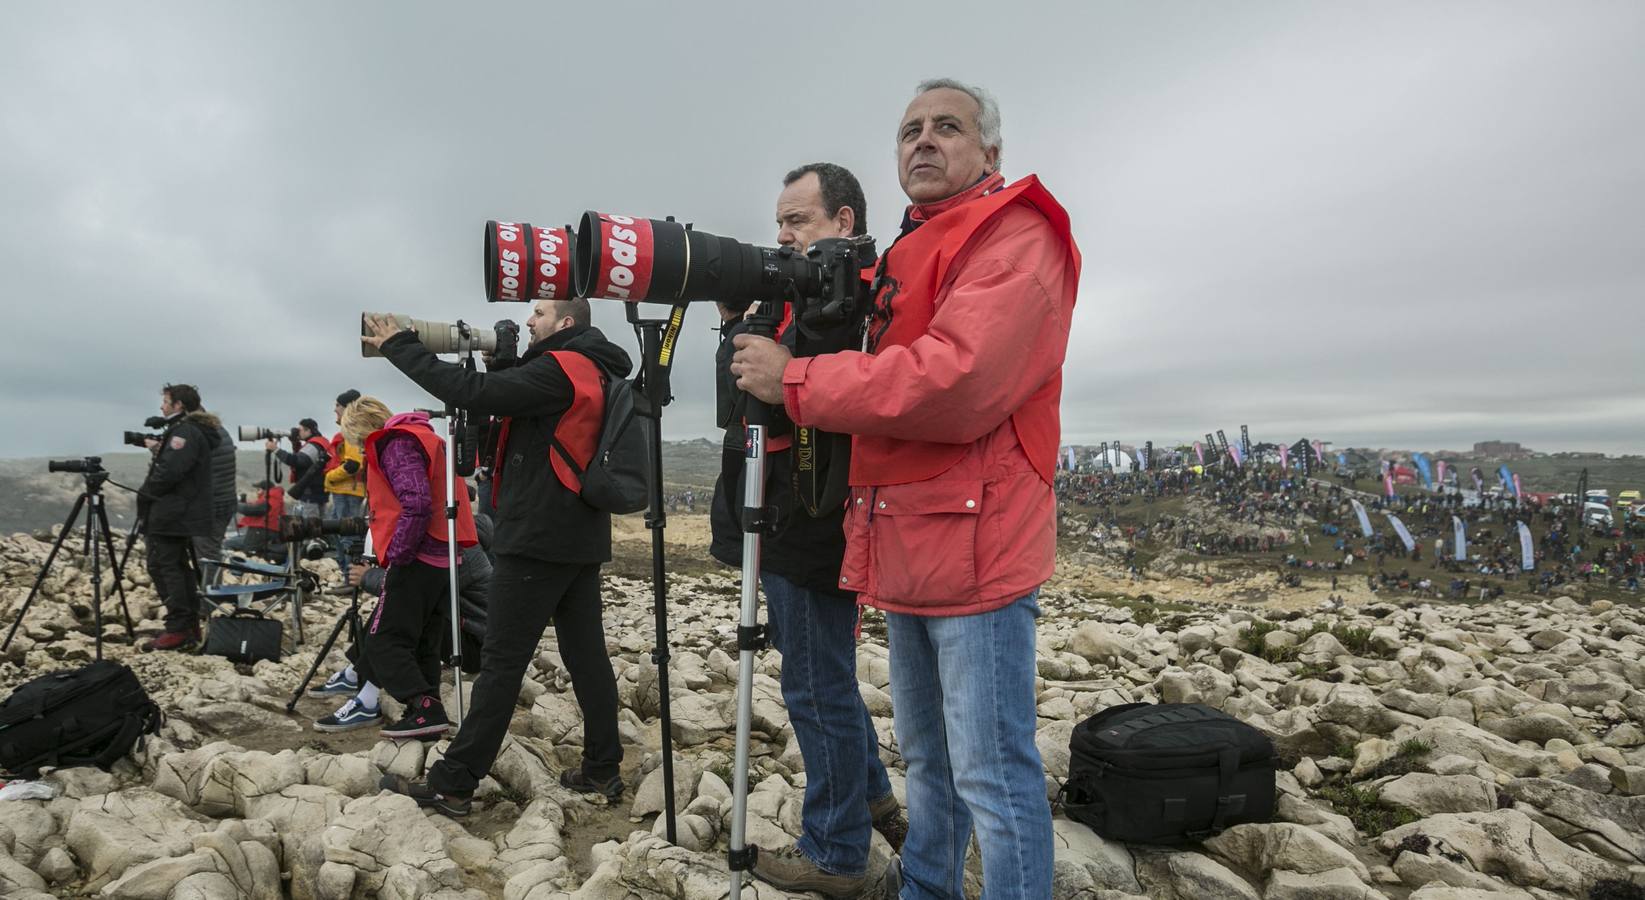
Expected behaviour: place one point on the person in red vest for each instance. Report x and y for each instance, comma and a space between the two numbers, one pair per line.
259, 523
549, 543
406, 493
951, 524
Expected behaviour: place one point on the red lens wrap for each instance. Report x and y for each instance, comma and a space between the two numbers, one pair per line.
551, 264
625, 255
510, 277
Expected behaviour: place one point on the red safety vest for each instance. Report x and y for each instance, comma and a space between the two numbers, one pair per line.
918, 264
276, 500
335, 448
385, 506
325, 457
579, 427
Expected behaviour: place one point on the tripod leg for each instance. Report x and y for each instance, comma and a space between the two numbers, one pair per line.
95, 548
350, 618
657, 520
749, 639
40, 579
119, 588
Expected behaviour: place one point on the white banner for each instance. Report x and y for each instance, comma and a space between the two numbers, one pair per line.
1527, 553
1461, 533
1364, 520
1403, 532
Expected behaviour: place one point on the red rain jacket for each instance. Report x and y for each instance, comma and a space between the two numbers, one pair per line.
955, 410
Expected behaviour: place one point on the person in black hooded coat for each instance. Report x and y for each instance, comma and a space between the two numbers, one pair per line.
175, 504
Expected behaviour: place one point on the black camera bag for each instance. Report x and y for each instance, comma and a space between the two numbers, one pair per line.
90, 716
243, 636
1171, 773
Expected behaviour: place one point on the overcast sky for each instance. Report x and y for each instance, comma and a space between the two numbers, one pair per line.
1396, 224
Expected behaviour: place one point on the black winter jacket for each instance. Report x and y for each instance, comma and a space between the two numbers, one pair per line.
805, 550
225, 471
537, 517
176, 497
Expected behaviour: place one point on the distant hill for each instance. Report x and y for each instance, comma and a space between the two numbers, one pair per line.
32, 499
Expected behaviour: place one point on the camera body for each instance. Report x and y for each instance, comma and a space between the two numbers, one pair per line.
139, 438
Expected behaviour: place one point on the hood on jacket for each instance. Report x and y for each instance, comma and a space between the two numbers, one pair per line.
589, 341
415, 417
211, 427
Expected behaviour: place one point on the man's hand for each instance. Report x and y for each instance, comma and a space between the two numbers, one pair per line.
152, 444
382, 328
271, 445
758, 365
355, 573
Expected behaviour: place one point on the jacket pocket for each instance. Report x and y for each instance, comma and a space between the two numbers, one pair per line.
923, 537
854, 566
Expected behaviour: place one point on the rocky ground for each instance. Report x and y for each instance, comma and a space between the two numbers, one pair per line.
1431, 751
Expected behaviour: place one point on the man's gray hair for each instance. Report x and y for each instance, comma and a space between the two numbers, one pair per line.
988, 112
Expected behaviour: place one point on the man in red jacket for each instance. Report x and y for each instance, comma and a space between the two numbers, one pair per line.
951, 524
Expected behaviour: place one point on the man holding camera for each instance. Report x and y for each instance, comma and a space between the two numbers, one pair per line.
175, 504
307, 462
549, 543
951, 525
812, 620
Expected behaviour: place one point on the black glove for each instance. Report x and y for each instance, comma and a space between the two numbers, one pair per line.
351, 466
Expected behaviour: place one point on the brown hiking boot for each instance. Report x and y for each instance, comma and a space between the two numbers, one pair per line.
889, 821
792, 870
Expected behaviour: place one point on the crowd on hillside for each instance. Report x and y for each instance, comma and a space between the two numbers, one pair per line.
1310, 524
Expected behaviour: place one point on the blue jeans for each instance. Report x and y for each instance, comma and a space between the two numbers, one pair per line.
817, 635
345, 506
964, 693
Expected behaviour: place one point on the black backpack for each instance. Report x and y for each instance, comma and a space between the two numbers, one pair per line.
1171, 773
617, 479
90, 716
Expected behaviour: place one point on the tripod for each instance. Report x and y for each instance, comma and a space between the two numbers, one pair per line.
750, 633
351, 618
654, 387
98, 537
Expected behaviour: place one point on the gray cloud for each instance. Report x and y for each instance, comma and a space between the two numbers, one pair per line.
1408, 223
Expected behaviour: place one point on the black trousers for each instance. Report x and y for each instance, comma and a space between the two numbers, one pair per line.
174, 580
525, 595
400, 643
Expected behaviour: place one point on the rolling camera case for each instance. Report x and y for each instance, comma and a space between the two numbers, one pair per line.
1170, 773
90, 716
243, 636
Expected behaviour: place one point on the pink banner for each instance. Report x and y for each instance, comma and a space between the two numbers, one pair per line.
1441, 471
1517, 493
1388, 482
1319, 452
1284, 458
1199, 451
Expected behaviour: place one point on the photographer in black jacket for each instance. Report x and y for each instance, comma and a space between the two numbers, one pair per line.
549, 544
812, 622
175, 503
307, 462
208, 548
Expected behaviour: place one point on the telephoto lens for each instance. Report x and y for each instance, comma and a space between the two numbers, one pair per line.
660, 261
88, 464
524, 263
439, 337
253, 433
139, 438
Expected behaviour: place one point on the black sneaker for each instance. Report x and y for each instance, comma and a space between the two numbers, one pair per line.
575, 779
418, 790
424, 719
